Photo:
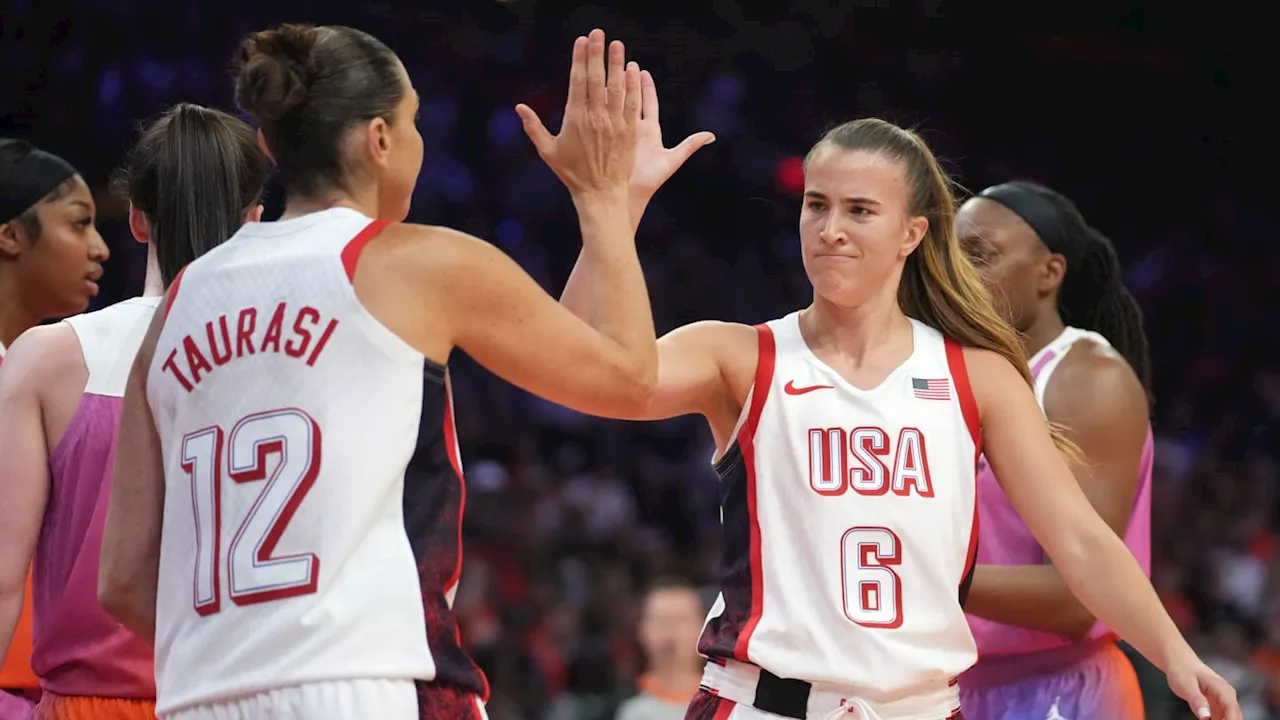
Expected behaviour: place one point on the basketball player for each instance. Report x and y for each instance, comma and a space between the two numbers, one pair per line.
847, 437
51, 257
285, 511
191, 179
1039, 648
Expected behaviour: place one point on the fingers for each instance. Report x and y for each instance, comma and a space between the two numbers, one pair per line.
617, 78
597, 90
691, 144
534, 128
631, 108
577, 77
649, 94
1226, 699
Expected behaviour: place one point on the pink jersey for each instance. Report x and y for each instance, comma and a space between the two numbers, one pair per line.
1003, 539
79, 649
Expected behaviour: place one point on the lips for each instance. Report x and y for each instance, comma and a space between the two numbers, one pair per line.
91, 281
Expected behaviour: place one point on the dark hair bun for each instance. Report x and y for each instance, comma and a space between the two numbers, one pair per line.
275, 70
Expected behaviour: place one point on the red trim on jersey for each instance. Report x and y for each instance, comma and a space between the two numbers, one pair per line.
455, 459
351, 253
765, 361
724, 708
173, 291
969, 409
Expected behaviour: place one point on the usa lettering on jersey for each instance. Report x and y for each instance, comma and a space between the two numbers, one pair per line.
854, 459
308, 333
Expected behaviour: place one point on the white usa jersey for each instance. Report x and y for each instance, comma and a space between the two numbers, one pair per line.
313, 490
850, 523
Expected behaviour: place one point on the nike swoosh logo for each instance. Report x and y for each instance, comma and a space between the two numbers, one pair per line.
791, 388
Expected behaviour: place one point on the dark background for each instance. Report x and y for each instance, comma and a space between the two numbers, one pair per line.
1155, 120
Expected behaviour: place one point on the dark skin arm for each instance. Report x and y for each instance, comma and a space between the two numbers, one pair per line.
1099, 400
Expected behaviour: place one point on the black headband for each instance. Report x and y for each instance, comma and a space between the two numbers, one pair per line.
30, 180
1039, 213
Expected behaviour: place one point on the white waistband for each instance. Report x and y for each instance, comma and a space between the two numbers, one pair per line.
736, 682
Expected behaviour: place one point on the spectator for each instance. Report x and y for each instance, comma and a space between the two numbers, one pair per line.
669, 626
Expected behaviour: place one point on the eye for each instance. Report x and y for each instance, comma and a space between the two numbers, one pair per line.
816, 205
84, 222
859, 210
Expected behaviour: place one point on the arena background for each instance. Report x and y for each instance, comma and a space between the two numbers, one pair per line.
1154, 121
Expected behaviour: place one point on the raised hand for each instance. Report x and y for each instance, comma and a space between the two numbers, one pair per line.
596, 147
655, 163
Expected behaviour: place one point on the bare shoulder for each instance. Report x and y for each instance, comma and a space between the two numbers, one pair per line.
1094, 381
733, 346
429, 248
44, 351
409, 275
989, 369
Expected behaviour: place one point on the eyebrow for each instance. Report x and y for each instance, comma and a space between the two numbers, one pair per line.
850, 200
81, 203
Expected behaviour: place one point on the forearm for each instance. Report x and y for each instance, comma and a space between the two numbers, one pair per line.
1104, 575
1027, 596
576, 296
607, 287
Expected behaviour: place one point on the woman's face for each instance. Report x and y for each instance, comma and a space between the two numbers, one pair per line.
856, 228
58, 269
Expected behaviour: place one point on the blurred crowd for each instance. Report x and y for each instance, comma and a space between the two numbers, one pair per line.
570, 519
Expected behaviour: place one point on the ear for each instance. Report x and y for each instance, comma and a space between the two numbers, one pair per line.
1051, 273
378, 140
138, 225
255, 214
262, 145
917, 227
9, 245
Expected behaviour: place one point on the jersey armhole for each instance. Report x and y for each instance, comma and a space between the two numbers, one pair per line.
964, 393
749, 417
765, 359
173, 291
351, 252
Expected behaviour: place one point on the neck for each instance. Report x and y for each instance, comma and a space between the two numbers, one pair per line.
153, 283
16, 315
853, 331
365, 203
1042, 331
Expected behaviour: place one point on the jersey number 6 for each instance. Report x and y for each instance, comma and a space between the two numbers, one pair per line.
253, 574
872, 590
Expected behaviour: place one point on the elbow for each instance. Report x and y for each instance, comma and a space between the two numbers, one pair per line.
636, 389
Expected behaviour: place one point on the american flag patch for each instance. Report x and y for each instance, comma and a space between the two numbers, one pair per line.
931, 389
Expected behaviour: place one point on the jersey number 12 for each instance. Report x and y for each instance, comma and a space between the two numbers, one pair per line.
253, 574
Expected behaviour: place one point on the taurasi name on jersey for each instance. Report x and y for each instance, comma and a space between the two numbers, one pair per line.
306, 335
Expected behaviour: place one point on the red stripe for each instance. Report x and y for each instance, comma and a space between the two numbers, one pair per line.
746, 443
173, 291
724, 708
969, 409
351, 253
455, 459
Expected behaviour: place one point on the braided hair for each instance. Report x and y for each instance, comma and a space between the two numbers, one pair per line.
1092, 295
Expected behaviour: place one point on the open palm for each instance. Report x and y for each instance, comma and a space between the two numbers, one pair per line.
656, 163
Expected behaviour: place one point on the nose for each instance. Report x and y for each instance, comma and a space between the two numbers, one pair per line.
98, 250
831, 233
